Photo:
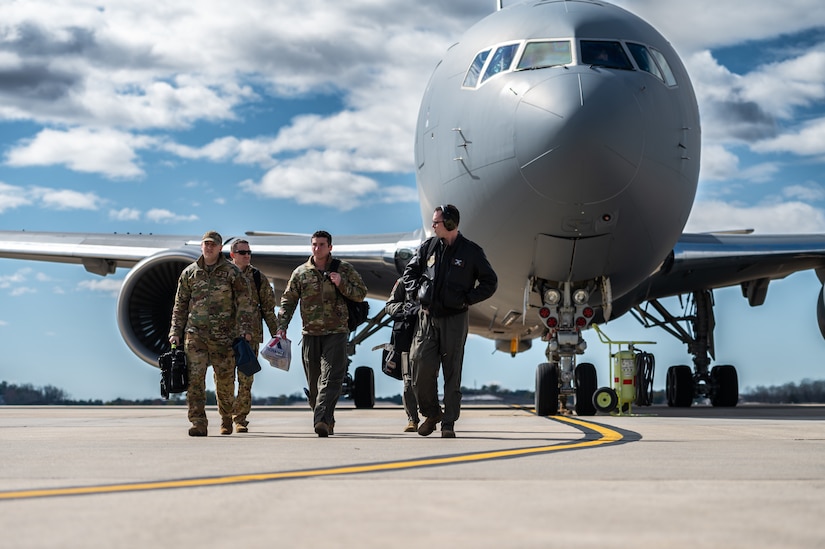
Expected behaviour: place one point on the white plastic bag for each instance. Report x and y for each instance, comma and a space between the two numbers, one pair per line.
278, 352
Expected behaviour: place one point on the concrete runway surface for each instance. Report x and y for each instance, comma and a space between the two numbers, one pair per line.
753, 476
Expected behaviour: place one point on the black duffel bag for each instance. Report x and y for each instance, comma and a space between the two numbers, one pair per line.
174, 374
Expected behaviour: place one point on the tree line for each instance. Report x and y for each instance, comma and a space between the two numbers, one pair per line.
805, 392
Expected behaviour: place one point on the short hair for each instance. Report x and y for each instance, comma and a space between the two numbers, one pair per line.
323, 234
238, 241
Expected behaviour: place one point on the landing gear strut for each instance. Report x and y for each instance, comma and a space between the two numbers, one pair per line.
565, 313
721, 383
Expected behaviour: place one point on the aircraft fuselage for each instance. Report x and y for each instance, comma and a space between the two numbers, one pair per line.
594, 163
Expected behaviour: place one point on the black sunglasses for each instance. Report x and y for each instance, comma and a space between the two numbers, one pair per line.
243, 252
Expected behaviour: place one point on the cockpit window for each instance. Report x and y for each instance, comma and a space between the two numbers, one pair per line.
606, 54
539, 55
475, 69
670, 80
645, 60
652, 61
501, 60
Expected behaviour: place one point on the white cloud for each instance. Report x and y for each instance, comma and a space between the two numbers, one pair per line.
109, 152
313, 184
124, 214
22, 290
700, 24
65, 199
19, 276
105, 285
809, 192
808, 140
780, 218
160, 215
12, 197
718, 163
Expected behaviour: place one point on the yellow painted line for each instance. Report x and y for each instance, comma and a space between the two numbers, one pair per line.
607, 436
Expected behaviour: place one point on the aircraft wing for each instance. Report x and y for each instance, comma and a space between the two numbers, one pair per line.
703, 262
98, 253
708, 261
155, 262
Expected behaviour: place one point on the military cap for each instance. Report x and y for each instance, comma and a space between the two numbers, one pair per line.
212, 236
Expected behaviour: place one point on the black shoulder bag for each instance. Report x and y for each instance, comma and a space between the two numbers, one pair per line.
358, 311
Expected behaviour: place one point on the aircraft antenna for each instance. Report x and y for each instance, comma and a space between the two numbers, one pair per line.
499, 5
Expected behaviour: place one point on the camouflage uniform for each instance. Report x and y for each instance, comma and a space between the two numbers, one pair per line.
212, 307
325, 332
263, 304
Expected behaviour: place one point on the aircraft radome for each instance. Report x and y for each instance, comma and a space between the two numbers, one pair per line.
568, 135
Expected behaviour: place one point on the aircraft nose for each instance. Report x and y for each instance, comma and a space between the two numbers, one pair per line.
579, 136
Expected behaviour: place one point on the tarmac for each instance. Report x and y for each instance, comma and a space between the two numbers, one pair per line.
751, 476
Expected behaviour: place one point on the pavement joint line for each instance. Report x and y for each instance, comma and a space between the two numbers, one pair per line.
605, 435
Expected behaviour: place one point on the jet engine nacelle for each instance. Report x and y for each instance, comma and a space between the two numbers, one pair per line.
820, 311
144, 306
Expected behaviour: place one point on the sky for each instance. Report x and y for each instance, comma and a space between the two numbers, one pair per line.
179, 117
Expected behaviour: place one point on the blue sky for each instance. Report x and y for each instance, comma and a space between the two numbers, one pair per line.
180, 117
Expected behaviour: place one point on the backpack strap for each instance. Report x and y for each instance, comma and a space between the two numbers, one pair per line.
256, 276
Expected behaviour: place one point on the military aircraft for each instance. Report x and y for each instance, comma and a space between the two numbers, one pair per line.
568, 135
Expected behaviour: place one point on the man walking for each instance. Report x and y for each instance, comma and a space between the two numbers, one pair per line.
212, 307
321, 284
263, 303
447, 274
404, 313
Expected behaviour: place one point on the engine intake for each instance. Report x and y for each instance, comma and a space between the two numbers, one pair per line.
144, 306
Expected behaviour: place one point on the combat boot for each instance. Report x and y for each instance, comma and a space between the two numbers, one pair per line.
196, 431
429, 424
226, 426
322, 429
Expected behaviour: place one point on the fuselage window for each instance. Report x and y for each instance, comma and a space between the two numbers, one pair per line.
670, 80
606, 54
501, 61
539, 55
471, 78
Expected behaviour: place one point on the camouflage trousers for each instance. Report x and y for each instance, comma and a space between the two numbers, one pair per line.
200, 354
243, 402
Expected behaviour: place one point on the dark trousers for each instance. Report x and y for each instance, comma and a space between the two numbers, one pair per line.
439, 343
325, 365
408, 396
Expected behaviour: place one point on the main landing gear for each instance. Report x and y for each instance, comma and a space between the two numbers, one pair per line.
720, 384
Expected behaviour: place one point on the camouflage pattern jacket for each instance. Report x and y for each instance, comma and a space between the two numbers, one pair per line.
323, 310
263, 305
213, 303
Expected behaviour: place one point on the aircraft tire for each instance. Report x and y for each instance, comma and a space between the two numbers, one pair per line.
547, 389
586, 385
364, 390
724, 386
605, 400
679, 386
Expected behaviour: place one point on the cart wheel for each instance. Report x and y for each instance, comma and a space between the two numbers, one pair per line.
605, 400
